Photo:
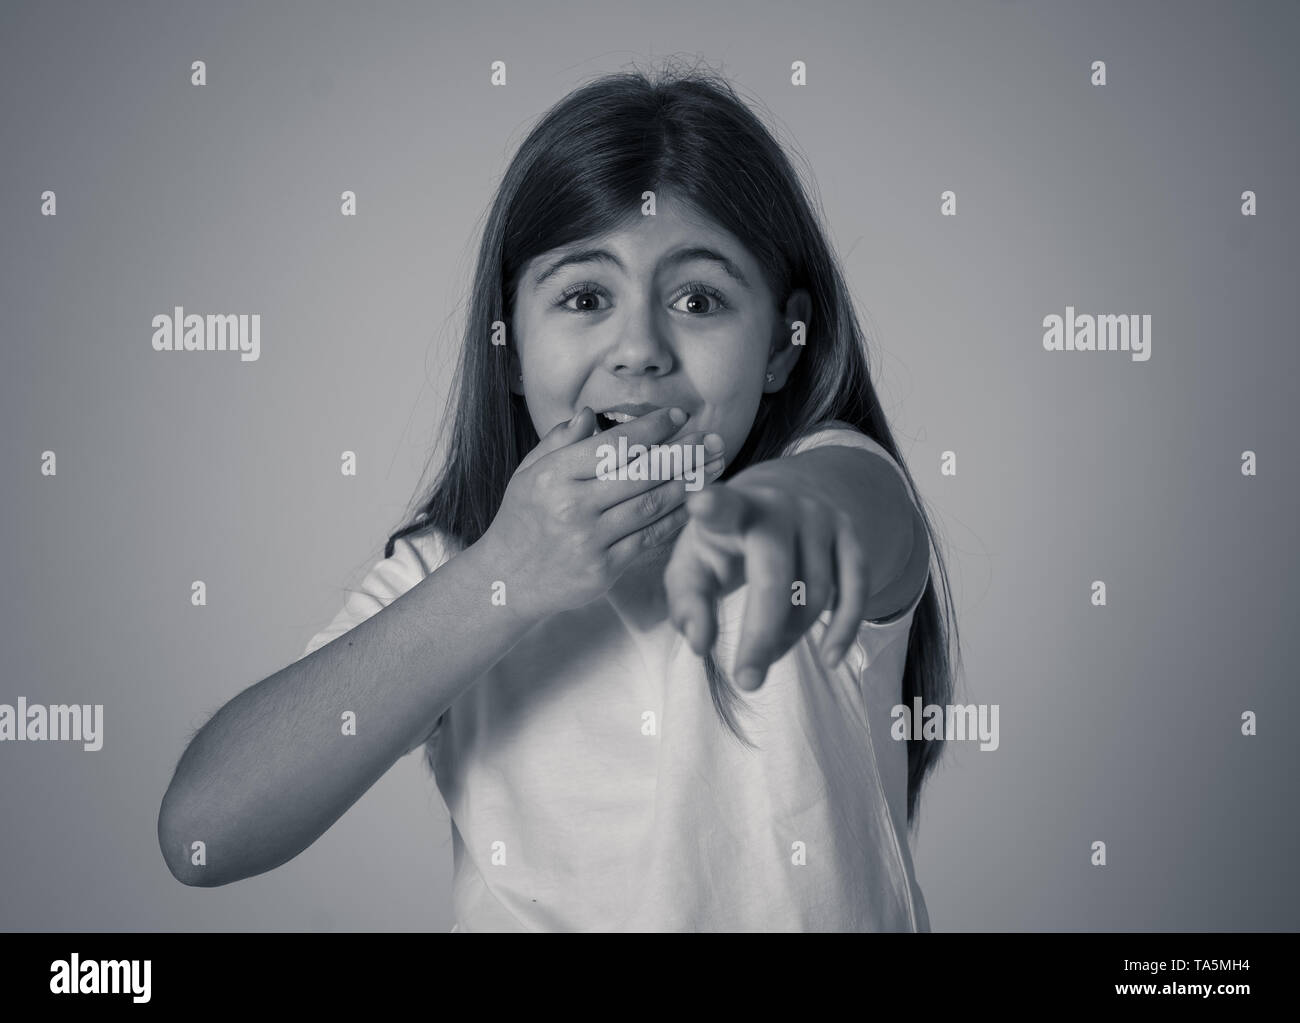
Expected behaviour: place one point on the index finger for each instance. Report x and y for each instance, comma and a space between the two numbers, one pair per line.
769, 570
692, 587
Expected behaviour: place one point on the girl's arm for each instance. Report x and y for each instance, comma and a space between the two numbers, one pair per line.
272, 769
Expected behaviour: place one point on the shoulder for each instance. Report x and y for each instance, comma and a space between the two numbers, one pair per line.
414, 557
833, 431
423, 552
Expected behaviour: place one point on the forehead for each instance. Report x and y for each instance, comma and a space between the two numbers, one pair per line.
644, 244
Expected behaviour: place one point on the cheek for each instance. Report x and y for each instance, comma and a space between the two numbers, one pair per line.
554, 366
732, 401
740, 388
553, 381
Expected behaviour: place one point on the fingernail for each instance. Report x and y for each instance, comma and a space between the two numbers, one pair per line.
831, 658
715, 466
749, 679
713, 443
677, 416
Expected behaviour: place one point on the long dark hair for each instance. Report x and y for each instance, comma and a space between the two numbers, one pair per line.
575, 175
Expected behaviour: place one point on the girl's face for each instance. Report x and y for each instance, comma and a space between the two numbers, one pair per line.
668, 310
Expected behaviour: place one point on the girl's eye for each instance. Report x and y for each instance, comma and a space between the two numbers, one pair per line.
583, 291
696, 289
587, 293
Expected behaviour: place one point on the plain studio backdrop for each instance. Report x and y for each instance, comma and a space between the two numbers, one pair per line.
1119, 724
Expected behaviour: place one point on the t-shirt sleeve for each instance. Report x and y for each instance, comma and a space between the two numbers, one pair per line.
835, 432
412, 559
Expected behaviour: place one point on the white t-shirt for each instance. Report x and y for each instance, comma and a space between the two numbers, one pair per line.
592, 786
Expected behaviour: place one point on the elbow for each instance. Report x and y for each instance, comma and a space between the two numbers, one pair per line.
174, 850
183, 850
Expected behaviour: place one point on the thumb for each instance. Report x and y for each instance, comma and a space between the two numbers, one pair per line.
563, 434
719, 509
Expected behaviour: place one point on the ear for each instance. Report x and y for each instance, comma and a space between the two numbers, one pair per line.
784, 353
515, 372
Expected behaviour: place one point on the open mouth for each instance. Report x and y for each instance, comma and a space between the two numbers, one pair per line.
608, 420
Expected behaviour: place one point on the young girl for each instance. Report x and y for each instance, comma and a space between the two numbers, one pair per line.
647, 706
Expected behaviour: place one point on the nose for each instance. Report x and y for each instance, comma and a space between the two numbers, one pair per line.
641, 347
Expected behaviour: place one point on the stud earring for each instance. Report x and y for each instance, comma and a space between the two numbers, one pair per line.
771, 377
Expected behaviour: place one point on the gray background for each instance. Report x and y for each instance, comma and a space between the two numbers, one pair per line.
1118, 724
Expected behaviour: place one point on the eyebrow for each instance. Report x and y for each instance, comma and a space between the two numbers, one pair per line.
686, 255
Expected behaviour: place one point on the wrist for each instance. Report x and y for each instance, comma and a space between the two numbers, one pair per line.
498, 577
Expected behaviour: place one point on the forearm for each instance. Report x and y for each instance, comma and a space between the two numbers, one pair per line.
273, 769
870, 491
